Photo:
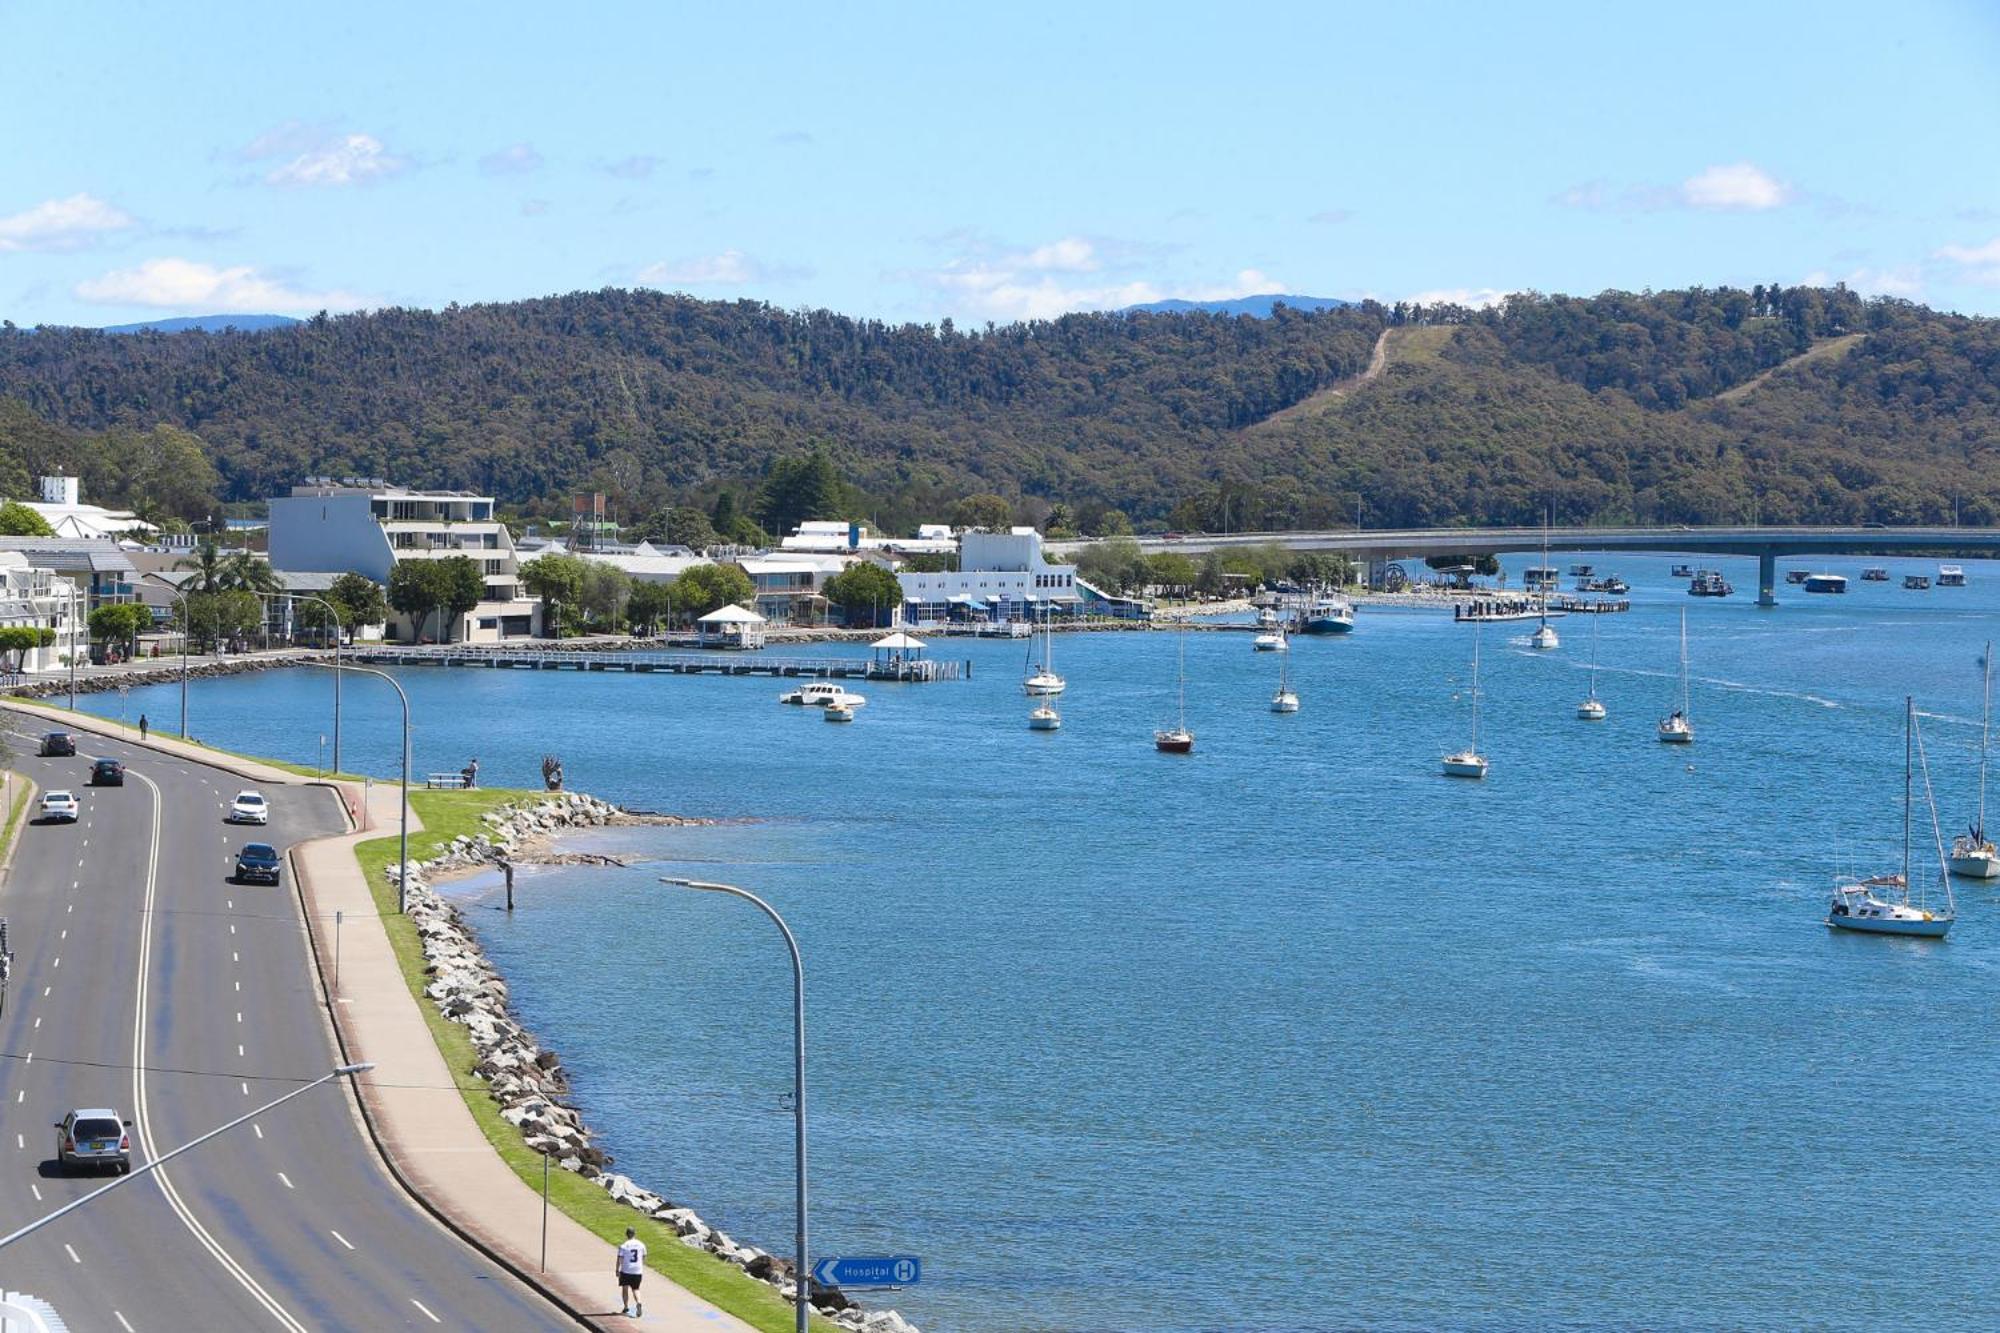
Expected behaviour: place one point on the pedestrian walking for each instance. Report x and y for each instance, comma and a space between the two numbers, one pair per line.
631, 1269
142, 726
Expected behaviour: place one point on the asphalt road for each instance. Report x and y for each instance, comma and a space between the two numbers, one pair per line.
146, 982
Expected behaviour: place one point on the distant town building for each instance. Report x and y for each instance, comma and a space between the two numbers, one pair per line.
830, 537
790, 585
37, 597
1000, 576
329, 527
61, 507
97, 565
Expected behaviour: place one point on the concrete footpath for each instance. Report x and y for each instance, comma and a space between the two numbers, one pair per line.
420, 1120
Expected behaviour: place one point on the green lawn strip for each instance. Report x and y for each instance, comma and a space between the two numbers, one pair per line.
21, 789
446, 815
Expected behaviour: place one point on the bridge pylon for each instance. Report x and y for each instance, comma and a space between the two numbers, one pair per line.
1767, 578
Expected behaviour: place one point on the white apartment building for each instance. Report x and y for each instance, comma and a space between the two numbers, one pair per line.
62, 508
790, 585
828, 537
1000, 576
370, 527
41, 599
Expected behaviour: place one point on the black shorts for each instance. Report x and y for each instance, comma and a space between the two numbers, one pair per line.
629, 1280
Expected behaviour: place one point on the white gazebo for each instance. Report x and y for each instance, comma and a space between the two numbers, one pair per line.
899, 657
731, 627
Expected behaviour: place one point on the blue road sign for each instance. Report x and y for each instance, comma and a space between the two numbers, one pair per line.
880, 1270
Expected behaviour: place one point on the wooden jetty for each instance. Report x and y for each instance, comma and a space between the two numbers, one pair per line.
905, 668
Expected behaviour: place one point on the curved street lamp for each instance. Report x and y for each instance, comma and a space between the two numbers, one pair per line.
333, 612
403, 848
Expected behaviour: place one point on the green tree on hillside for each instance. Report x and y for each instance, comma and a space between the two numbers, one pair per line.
17, 520
804, 486
986, 513
1115, 564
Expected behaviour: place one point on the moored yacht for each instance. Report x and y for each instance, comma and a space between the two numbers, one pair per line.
1677, 728
1592, 707
1328, 615
1045, 718
1881, 904
1973, 854
1469, 763
822, 694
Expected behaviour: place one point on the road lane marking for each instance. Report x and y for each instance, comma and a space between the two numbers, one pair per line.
239, 985
239, 1015
160, 1176
38, 1020
342, 1239
74, 1257
233, 958
45, 992
427, 1314
65, 934
239, 1050
232, 927
259, 1128
30, 1060
123, 1322
38, 1192
288, 1181
56, 964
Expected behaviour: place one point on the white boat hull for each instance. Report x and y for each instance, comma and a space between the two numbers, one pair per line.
1933, 928
1975, 866
1590, 710
1464, 766
1268, 643
1043, 687
1544, 638
1285, 702
1044, 719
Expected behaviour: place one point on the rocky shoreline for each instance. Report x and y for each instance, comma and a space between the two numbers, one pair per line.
525, 1077
101, 680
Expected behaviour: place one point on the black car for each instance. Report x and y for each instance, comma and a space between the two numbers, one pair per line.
107, 773
257, 863
59, 743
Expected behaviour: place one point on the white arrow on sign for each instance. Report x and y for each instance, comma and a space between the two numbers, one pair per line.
823, 1272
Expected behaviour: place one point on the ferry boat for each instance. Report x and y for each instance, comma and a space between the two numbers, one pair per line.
1874, 574
1916, 582
1796, 576
821, 694
1709, 583
1683, 572
1328, 615
1950, 576
1610, 583
1825, 583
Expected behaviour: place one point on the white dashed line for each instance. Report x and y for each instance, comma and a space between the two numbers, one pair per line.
427, 1314
38, 1192
342, 1239
45, 992
74, 1257
246, 1089
259, 1128
122, 1321
56, 964
65, 934
239, 1050
288, 1181
30, 1060
232, 927
239, 985
38, 1020
233, 958
239, 1015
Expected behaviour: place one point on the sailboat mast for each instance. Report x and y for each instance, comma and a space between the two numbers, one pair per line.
1475, 689
1985, 730
1687, 708
1909, 728
1183, 680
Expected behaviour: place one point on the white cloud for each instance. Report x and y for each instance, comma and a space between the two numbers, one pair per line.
1478, 298
1737, 187
1976, 263
197, 288
730, 268
319, 157
62, 224
516, 159
1905, 280
1044, 281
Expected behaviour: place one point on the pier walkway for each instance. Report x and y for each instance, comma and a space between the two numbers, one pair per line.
911, 669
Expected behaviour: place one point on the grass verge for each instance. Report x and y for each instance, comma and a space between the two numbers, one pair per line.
22, 790
446, 815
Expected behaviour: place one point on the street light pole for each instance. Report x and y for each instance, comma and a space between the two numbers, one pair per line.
802, 1275
403, 848
72, 643
334, 613
186, 617
166, 1157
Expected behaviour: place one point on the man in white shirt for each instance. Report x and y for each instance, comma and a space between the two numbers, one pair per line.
631, 1268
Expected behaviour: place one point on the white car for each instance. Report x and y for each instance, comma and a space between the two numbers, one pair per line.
249, 807
60, 807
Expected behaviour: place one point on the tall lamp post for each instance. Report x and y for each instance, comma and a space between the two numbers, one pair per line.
182, 598
403, 847
802, 1275
334, 613
73, 607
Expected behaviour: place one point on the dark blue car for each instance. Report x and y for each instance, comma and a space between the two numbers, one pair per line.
257, 863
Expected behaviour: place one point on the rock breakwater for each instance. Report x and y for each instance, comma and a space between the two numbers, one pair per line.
526, 1078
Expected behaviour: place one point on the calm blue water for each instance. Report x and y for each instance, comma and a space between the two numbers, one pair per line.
1294, 1033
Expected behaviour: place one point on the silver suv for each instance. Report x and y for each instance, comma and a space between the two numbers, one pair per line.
96, 1138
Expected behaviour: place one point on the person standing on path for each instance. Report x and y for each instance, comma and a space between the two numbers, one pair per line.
631, 1269
142, 726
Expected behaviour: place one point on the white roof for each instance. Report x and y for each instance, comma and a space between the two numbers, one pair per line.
900, 640
791, 564
731, 615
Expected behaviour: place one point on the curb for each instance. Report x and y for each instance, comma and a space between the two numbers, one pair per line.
7, 852
464, 1233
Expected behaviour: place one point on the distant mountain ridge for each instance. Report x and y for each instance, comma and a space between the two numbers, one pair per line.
205, 324
1259, 306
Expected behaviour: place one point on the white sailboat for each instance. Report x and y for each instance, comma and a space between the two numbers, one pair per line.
1881, 904
1045, 718
1177, 739
1042, 681
1677, 728
1469, 763
1972, 852
1592, 708
1545, 634
1286, 700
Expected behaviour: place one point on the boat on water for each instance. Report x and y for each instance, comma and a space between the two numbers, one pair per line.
1917, 582
1544, 636
1270, 641
1882, 904
1469, 763
1950, 576
1874, 574
1709, 583
1973, 854
1610, 583
843, 712
1677, 727
1541, 578
1041, 679
1581, 571
1832, 583
1683, 572
1797, 575
1045, 718
1328, 615
1286, 700
822, 694
1177, 739
1592, 707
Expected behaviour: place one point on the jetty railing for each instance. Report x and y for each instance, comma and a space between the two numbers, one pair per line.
913, 670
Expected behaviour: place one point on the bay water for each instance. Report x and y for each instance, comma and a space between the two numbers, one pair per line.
1292, 1033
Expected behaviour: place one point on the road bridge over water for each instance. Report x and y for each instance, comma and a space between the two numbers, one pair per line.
1765, 543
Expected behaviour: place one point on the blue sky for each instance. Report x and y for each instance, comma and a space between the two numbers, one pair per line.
994, 162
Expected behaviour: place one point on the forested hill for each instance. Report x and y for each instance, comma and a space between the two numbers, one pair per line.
1612, 407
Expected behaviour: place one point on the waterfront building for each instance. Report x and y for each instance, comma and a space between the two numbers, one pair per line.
827, 537
789, 585
329, 527
61, 507
1003, 576
644, 563
97, 565
36, 597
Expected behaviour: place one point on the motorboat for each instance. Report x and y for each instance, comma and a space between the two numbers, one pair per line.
1592, 707
1917, 582
1825, 583
821, 694
1045, 718
1709, 583
1610, 583
1469, 763
1272, 641
839, 712
1874, 574
1683, 572
1177, 739
1950, 576
1882, 904
1973, 854
1581, 571
1677, 727
1797, 575
1328, 615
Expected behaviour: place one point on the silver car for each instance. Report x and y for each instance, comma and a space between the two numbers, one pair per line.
95, 1138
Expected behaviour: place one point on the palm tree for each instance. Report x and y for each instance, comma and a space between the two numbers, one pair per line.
244, 570
209, 566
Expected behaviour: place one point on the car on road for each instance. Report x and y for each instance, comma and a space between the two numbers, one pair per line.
249, 807
95, 1139
59, 744
257, 863
107, 773
60, 807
